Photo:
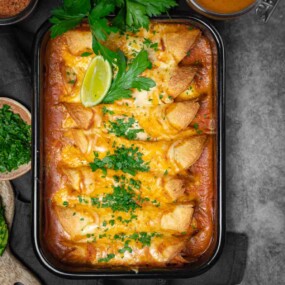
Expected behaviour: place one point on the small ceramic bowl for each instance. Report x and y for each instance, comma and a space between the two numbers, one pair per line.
263, 10
26, 116
20, 16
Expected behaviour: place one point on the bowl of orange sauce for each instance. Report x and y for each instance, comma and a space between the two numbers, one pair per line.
222, 9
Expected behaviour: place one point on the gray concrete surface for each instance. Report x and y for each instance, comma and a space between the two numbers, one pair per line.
255, 141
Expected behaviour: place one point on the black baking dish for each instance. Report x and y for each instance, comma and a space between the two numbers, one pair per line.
189, 270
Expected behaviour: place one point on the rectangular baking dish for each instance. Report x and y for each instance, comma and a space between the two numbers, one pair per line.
189, 270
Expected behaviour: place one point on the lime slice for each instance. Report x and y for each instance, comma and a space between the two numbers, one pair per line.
96, 82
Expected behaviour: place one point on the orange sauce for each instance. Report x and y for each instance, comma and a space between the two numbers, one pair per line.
225, 6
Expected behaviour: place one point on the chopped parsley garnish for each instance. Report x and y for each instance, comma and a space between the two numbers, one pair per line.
124, 198
107, 258
148, 43
126, 248
143, 237
155, 203
120, 236
15, 140
124, 128
107, 111
135, 183
120, 200
127, 221
128, 160
65, 203
196, 127
81, 200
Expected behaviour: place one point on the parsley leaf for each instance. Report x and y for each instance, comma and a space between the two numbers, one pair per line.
100, 29
128, 77
134, 14
122, 128
68, 16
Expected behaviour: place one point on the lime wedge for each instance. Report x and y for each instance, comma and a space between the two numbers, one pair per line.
96, 82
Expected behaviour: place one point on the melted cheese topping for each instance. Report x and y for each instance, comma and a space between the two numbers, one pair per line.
113, 216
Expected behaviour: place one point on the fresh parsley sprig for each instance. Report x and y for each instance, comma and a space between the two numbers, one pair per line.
74, 11
100, 29
131, 15
68, 16
128, 77
134, 14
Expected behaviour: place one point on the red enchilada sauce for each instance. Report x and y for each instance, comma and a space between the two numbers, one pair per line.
225, 6
10, 8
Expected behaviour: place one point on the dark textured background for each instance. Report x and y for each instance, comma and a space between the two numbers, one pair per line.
255, 139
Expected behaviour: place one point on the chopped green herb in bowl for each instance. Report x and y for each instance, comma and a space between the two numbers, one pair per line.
15, 140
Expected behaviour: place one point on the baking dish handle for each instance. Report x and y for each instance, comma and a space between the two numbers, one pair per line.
265, 9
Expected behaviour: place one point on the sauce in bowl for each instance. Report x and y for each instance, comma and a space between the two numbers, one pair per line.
225, 6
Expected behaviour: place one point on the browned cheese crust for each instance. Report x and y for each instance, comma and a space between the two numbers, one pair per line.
174, 221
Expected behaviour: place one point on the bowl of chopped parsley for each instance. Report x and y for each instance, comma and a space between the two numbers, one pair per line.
15, 139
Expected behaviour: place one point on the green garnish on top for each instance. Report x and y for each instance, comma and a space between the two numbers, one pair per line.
148, 43
123, 198
105, 111
128, 77
3, 230
143, 237
15, 140
131, 15
124, 128
107, 258
126, 159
